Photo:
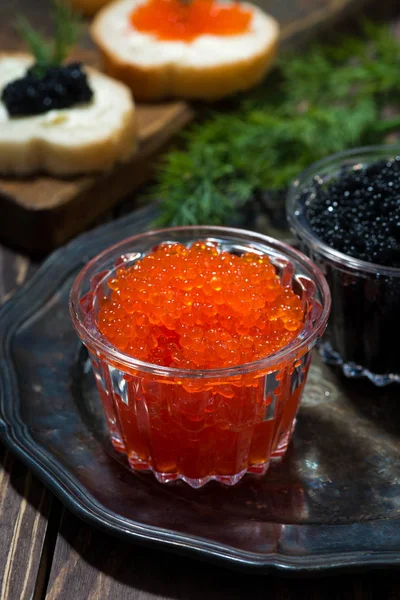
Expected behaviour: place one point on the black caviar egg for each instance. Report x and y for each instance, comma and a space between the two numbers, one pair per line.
37, 93
358, 213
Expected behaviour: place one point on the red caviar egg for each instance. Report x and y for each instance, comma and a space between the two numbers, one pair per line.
185, 20
198, 308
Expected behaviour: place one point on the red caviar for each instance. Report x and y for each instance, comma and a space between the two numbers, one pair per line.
197, 308
185, 20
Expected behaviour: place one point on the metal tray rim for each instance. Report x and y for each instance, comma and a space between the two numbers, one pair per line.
15, 434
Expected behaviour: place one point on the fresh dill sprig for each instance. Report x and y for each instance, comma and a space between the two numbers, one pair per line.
66, 32
36, 43
329, 99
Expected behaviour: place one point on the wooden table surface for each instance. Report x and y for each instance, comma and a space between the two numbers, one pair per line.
48, 553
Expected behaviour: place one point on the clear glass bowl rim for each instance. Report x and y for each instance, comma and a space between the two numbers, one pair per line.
307, 234
127, 361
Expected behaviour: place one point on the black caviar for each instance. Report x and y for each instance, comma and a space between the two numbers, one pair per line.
359, 213
37, 93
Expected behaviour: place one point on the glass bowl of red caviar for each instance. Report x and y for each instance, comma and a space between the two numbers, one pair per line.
200, 339
345, 212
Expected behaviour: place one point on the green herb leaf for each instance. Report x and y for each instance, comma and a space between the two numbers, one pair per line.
67, 31
329, 99
36, 43
51, 53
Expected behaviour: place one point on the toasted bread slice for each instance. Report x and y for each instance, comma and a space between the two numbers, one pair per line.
81, 139
207, 68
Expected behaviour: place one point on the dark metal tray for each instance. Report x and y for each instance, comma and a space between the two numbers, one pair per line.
333, 502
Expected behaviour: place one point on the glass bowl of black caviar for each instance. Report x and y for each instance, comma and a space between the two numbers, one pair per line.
345, 212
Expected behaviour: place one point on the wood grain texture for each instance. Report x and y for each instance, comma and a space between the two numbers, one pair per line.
44, 212
155, 123
90, 565
24, 506
24, 501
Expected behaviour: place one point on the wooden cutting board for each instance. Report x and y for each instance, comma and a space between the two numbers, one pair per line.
40, 213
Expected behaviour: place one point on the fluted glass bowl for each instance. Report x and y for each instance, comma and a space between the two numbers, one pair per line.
198, 425
365, 316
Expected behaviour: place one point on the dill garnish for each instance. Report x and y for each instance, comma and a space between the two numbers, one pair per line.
51, 53
324, 101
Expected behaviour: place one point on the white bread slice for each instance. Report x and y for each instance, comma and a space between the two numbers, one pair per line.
88, 7
84, 138
207, 68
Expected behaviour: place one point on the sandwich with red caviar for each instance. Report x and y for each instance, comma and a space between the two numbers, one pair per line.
200, 49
